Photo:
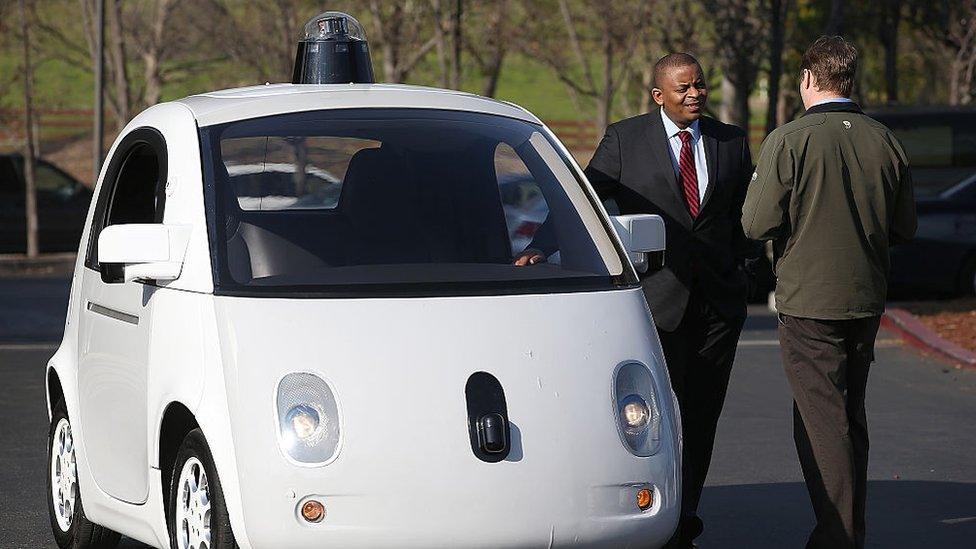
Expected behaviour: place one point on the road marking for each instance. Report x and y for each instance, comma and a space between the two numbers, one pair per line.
775, 343
958, 520
28, 346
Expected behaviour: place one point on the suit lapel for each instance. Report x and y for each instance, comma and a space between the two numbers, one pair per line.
711, 161
658, 143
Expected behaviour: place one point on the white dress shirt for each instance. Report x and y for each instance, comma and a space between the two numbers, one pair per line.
701, 167
833, 100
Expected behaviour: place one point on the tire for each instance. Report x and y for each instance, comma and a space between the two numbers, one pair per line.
191, 519
70, 526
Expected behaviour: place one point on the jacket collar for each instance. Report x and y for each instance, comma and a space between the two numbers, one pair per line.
834, 106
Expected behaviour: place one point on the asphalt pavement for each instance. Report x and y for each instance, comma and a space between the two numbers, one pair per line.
922, 416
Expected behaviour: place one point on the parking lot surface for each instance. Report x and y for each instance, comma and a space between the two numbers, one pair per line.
922, 416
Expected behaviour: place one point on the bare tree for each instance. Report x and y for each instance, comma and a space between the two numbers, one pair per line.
447, 35
30, 194
117, 62
272, 31
591, 50
675, 29
740, 28
949, 26
400, 29
489, 34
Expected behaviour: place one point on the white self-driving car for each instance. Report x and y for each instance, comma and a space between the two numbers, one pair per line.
295, 321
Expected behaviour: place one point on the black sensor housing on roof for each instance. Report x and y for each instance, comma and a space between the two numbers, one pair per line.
333, 50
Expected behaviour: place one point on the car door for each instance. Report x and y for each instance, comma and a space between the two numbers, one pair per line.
115, 323
13, 230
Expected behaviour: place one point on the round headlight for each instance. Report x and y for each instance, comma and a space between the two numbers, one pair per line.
305, 423
635, 414
309, 424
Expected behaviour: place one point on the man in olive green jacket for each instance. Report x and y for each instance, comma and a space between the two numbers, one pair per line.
832, 191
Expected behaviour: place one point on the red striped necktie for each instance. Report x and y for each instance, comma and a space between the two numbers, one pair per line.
687, 175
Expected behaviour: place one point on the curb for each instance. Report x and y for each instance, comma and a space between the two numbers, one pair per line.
920, 336
54, 264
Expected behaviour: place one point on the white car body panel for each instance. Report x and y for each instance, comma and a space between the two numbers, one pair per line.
405, 475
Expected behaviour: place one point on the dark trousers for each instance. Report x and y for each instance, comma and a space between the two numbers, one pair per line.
699, 353
827, 364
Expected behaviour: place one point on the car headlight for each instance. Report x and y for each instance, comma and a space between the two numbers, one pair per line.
638, 414
308, 419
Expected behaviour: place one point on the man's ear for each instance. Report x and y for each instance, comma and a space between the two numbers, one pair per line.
658, 96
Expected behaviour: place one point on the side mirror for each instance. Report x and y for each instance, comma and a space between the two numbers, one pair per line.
643, 236
147, 251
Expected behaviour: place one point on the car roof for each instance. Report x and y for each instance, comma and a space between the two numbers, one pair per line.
919, 110
223, 106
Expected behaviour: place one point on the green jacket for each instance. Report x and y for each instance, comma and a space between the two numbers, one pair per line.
832, 191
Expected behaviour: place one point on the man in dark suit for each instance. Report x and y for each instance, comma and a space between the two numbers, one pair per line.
693, 171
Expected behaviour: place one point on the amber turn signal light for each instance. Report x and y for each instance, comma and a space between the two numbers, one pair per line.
645, 498
313, 511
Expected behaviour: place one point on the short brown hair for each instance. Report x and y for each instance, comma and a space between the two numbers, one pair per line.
833, 62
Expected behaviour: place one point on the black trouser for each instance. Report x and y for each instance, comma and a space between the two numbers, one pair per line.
699, 353
827, 364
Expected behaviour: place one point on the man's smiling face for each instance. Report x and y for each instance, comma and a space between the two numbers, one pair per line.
681, 92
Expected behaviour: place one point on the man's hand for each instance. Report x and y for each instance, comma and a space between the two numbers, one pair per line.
530, 256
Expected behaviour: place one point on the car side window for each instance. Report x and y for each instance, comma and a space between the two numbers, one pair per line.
133, 190
10, 182
55, 182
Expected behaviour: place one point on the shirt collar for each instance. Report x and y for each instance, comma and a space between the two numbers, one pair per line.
833, 100
671, 129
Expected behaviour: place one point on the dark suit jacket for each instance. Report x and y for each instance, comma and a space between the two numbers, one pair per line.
633, 166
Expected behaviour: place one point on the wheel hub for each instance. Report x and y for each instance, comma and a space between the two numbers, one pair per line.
64, 475
193, 507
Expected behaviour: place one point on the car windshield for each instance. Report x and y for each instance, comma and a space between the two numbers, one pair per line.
399, 202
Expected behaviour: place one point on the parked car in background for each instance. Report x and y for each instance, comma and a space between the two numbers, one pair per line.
62, 204
941, 147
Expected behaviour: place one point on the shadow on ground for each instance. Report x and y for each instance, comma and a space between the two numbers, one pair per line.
901, 514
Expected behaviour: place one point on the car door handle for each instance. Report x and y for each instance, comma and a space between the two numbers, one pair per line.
112, 313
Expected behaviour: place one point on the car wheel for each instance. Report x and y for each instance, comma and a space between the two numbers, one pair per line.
68, 521
197, 513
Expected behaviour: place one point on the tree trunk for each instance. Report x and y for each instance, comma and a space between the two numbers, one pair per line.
388, 38
30, 194
735, 103
456, 45
440, 37
116, 58
955, 74
889, 22
777, 26
604, 101
835, 18
152, 56
647, 82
